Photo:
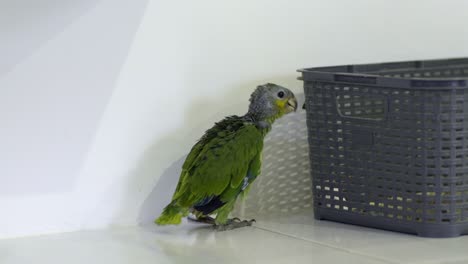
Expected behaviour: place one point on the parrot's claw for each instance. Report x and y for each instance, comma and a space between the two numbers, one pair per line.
233, 224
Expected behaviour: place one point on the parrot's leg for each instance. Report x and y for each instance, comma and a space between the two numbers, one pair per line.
233, 224
223, 223
202, 219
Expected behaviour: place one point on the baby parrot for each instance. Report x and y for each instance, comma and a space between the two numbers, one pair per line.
223, 164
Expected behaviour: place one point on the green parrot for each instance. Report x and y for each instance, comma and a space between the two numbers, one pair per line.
222, 165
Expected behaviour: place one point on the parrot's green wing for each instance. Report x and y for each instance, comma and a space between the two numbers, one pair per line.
221, 159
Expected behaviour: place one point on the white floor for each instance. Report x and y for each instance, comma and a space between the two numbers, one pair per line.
296, 239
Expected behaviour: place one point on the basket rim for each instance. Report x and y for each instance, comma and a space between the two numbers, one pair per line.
370, 74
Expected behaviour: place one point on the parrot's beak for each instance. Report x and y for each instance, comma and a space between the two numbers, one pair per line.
292, 105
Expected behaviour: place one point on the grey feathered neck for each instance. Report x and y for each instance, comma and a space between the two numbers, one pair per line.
261, 110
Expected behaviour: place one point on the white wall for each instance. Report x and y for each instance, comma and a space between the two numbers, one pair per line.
99, 98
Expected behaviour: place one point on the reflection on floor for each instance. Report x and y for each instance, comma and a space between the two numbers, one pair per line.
294, 239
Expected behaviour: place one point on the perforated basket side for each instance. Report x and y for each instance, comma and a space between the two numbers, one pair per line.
390, 157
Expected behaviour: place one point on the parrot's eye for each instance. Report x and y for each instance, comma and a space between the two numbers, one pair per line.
280, 94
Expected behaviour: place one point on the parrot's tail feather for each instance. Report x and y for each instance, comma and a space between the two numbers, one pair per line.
171, 215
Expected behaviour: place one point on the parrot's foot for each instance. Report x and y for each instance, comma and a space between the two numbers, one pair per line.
233, 224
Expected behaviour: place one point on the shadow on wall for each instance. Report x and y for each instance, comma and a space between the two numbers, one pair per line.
161, 194
71, 69
157, 154
28, 24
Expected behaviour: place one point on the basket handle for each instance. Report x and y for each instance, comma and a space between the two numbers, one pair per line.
361, 136
373, 99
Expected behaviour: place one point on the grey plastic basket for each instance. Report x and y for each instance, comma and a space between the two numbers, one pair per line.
388, 145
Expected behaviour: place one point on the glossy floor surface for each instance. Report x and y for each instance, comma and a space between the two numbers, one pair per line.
294, 239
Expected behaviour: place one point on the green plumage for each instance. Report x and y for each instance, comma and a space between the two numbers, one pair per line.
220, 166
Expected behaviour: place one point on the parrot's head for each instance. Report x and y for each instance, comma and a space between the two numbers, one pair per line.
271, 101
